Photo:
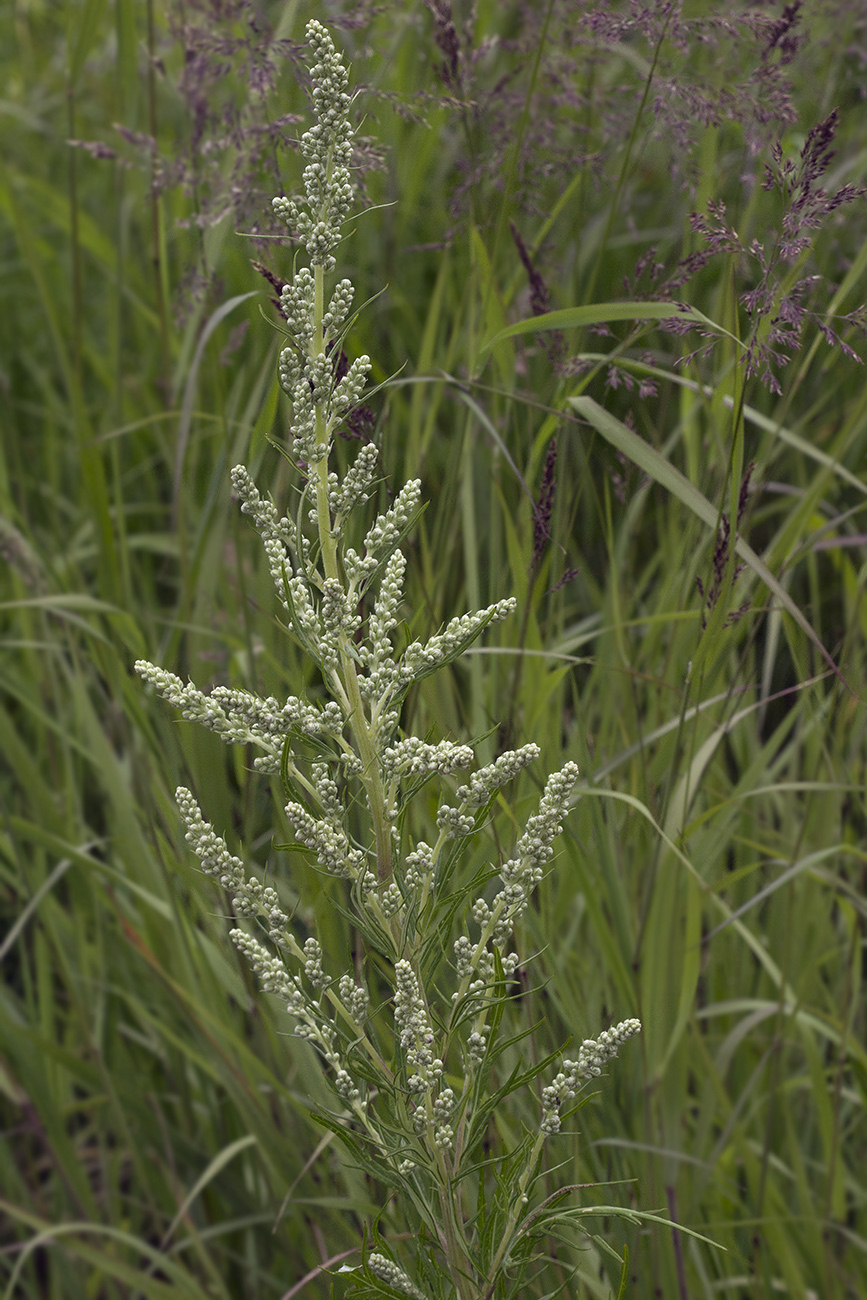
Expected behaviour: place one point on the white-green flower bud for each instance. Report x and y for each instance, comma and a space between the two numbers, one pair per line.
453, 822
413, 757
463, 956
591, 1057
391, 900
327, 841
356, 482
476, 1045
418, 867
313, 965
387, 529
338, 308
416, 1034
460, 632
483, 783
393, 1276
345, 1087
349, 391
354, 998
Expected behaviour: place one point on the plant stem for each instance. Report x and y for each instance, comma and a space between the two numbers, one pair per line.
455, 1248
363, 734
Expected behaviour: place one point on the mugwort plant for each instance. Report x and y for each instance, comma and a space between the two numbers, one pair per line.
410, 1038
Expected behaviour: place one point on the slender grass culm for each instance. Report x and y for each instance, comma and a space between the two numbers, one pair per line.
413, 1034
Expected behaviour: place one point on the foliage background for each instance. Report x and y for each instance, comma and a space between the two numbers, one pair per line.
153, 1111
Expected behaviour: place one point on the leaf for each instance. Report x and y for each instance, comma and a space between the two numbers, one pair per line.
81, 42
220, 1160
669, 477
599, 313
185, 422
181, 1285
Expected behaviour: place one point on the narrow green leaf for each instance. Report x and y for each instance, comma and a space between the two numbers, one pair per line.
599, 313
669, 477
83, 33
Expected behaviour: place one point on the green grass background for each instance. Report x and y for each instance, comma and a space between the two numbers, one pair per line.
711, 877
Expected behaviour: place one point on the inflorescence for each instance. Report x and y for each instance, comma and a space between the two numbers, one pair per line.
366, 764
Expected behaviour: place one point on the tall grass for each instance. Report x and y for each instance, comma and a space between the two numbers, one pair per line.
712, 877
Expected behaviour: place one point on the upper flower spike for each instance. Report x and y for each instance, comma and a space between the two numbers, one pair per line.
328, 148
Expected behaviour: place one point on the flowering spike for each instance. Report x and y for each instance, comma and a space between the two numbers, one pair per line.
351, 777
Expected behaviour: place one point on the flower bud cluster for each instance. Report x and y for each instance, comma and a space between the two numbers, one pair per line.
378, 654
304, 441
296, 302
592, 1056
240, 717
345, 1087
344, 497
280, 568
263, 513
416, 1035
251, 897
326, 838
307, 364
595, 1052
384, 534
414, 757
475, 964
349, 389
418, 867
452, 823
534, 849
524, 872
477, 1045
271, 969
392, 1275
387, 528
328, 147
339, 619
313, 965
354, 998
305, 620
483, 783
314, 1023
419, 659
390, 899
351, 770
442, 1108
464, 955
311, 1023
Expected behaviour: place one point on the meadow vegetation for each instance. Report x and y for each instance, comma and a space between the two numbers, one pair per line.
616, 263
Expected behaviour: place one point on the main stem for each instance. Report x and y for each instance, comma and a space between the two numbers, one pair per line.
456, 1253
362, 733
